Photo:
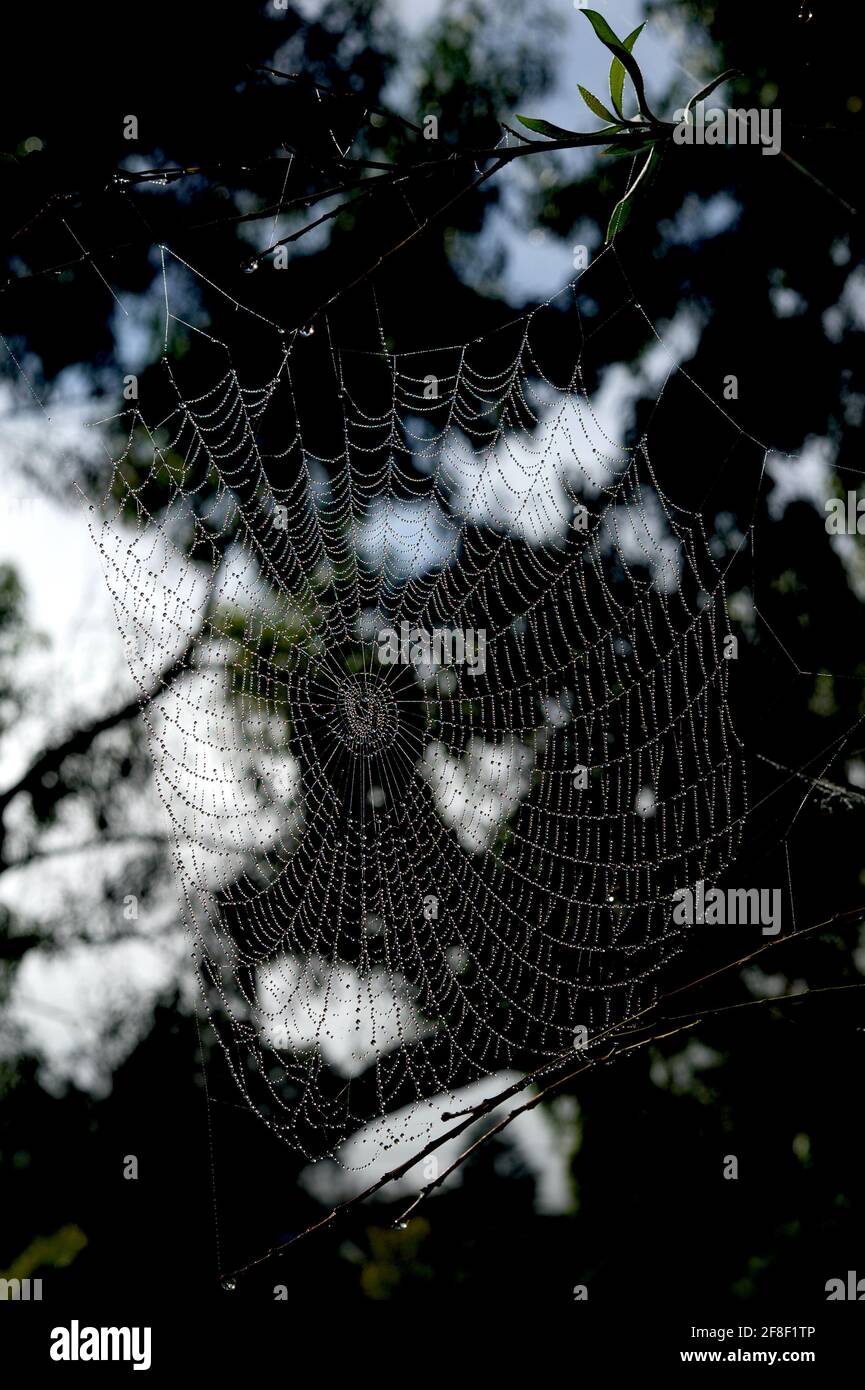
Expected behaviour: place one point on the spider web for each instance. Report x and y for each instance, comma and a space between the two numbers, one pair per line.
404, 876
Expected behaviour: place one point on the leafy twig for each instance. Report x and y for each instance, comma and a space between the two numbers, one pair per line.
626, 134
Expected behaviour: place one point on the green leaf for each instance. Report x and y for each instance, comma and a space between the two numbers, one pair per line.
555, 132
621, 215
596, 107
618, 49
627, 149
709, 89
623, 209
617, 71
577, 137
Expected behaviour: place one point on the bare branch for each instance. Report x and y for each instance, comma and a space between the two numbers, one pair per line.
691, 1021
471, 1116
82, 739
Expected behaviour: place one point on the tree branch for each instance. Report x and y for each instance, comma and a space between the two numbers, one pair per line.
469, 1117
80, 740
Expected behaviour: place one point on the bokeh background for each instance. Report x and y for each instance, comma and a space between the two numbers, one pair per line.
752, 266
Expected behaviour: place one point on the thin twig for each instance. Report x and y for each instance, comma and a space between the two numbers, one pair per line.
690, 1021
471, 1116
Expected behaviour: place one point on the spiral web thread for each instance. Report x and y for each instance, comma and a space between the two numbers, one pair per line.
400, 878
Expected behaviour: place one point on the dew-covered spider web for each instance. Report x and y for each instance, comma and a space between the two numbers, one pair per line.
434, 675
